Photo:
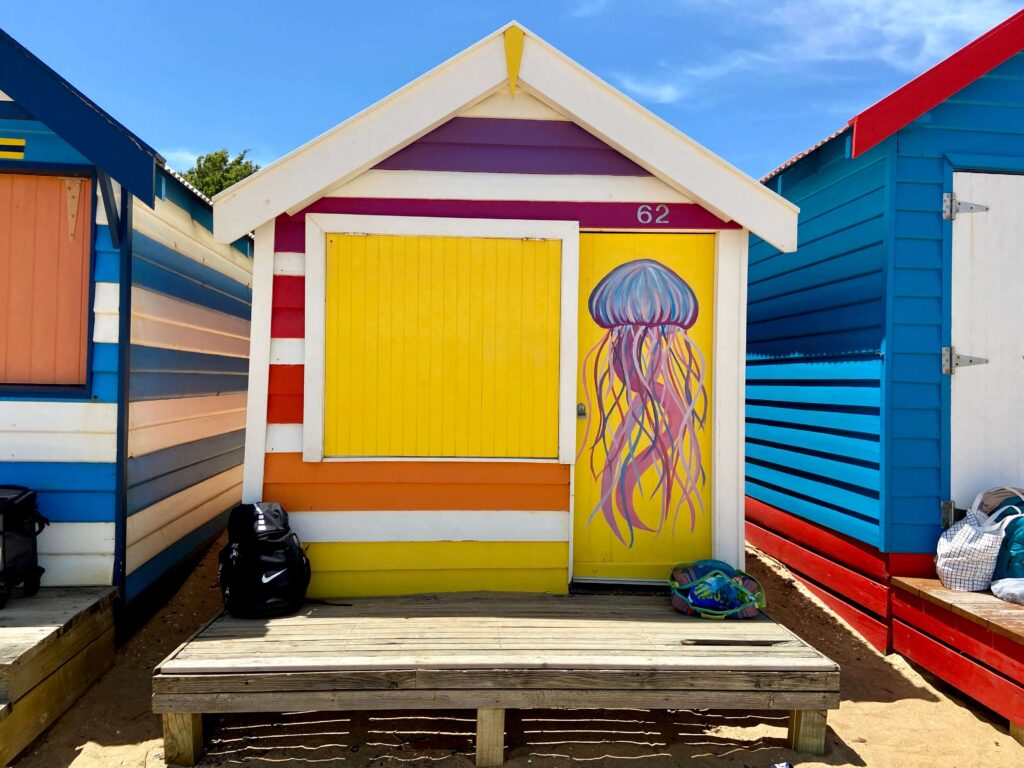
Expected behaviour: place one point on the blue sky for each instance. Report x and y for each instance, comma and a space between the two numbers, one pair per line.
753, 80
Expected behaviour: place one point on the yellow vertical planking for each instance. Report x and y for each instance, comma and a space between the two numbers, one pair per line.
441, 346
597, 553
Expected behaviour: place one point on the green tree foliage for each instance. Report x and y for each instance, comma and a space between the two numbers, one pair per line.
218, 171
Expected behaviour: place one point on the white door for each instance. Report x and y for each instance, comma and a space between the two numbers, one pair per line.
987, 401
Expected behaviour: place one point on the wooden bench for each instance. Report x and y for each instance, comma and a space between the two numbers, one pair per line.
52, 648
491, 652
972, 640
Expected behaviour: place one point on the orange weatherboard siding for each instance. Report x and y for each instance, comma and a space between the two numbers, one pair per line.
413, 485
44, 279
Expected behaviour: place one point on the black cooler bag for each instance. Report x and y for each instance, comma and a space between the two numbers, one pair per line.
263, 570
20, 524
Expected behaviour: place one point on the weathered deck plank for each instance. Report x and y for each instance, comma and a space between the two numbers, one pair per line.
491, 653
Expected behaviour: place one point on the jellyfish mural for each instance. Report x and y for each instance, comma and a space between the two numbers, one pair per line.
645, 397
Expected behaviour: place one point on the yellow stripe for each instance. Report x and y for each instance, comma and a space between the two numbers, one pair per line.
15, 142
441, 346
12, 155
407, 567
335, 584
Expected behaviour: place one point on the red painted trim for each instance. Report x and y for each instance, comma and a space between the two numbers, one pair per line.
897, 110
990, 688
289, 291
914, 565
871, 628
956, 631
855, 554
287, 323
861, 590
284, 409
290, 232
286, 380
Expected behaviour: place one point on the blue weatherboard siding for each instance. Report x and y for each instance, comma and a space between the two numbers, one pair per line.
847, 408
986, 118
159, 374
814, 348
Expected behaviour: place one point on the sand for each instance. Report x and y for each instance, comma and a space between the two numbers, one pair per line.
892, 714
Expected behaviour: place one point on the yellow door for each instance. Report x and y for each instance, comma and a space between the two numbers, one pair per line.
643, 438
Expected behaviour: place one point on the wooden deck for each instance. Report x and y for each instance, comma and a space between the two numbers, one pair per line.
52, 648
491, 652
972, 640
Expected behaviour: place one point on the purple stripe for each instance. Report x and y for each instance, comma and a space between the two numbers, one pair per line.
492, 145
290, 231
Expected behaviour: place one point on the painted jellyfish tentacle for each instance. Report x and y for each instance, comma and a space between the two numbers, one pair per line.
647, 379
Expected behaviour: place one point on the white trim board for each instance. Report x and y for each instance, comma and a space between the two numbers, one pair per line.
318, 226
260, 344
469, 78
431, 525
453, 185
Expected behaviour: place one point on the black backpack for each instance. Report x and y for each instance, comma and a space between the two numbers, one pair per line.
263, 570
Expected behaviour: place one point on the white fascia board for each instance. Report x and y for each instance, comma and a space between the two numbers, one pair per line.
362, 141
655, 145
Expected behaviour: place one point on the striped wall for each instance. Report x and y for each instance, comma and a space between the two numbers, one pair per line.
187, 383
847, 408
403, 526
63, 441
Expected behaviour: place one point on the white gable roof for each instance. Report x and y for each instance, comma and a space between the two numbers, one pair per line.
362, 141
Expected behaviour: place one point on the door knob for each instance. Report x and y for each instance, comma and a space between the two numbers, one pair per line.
581, 411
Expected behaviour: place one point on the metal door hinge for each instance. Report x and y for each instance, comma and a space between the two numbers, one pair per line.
950, 514
951, 206
951, 360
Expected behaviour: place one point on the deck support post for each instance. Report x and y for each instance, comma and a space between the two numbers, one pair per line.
490, 738
183, 738
1017, 732
807, 730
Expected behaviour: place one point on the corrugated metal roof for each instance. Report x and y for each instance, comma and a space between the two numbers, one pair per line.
798, 157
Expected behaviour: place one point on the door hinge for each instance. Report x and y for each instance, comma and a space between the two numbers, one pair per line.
950, 514
951, 206
951, 360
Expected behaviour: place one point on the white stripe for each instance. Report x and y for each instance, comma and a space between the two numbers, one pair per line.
150, 439
150, 413
159, 321
34, 431
77, 539
434, 185
443, 525
284, 438
286, 352
259, 370
148, 521
105, 309
77, 570
522, 106
289, 263
175, 228
149, 547
27, 416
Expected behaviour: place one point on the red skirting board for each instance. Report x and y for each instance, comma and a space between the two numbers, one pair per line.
851, 577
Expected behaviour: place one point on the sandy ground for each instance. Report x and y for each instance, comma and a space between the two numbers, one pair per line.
891, 715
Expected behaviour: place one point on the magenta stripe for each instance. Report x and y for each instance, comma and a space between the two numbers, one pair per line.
289, 233
494, 145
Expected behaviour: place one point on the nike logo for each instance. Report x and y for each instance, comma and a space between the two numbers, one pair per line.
268, 577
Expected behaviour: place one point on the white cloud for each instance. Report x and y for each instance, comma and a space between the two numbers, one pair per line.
906, 35
180, 159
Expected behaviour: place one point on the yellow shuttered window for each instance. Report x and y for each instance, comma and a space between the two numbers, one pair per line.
441, 347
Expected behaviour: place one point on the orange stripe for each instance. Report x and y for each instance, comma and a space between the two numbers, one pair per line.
413, 485
286, 379
284, 409
290, 468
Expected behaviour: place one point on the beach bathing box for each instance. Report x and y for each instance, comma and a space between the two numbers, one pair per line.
498, 333
123, 339
886, 354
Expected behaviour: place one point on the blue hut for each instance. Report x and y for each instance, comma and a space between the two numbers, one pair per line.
123, 339
886, 355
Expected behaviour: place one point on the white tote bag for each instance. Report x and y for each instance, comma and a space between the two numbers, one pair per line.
967, 551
